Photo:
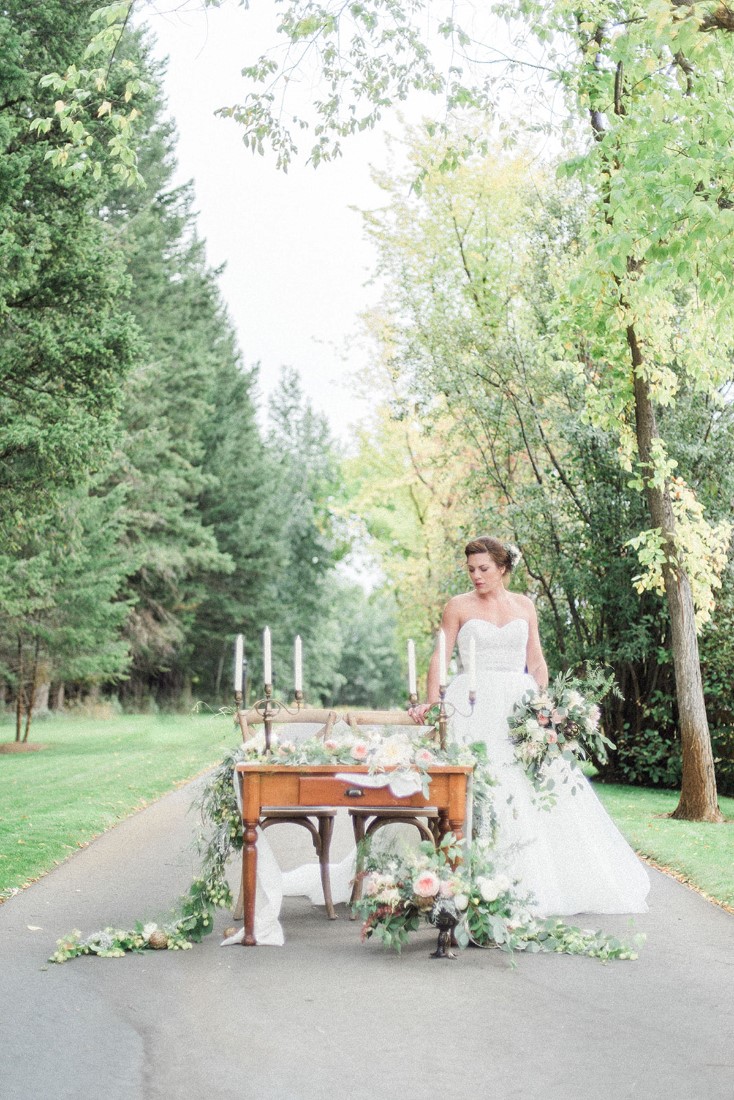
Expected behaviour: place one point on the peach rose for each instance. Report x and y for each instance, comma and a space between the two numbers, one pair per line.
426, 885
360, 750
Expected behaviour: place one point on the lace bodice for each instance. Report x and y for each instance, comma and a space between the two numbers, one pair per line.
498, 648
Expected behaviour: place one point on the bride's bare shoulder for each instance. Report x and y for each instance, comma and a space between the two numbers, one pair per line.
523, 605
456, 608
462, 601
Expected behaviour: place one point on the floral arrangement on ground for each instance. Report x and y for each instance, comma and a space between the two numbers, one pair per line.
221, 832
402, 890
560, 722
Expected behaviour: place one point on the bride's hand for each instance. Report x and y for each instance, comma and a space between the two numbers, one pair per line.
418, 712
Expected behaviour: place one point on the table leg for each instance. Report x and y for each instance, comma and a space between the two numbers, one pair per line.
249, 880
326, 828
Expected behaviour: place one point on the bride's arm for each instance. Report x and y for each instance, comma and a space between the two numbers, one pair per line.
537, 667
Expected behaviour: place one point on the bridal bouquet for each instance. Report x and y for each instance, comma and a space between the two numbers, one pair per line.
560, 722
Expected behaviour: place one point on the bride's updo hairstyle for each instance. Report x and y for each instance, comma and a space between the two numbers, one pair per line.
503, 554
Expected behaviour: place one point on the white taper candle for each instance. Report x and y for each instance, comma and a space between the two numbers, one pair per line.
239, 656
298, 664
267, 657
412, 689
441, 659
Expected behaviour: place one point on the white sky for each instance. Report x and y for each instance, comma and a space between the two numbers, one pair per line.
296, 259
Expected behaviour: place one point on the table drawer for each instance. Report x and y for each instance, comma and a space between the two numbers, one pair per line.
329, 791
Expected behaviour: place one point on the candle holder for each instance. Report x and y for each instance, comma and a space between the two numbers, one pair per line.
445, 917
446, 711
413, 699
442, 717
268, 708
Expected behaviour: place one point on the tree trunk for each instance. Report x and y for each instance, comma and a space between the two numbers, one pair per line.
19, 692
220, 673
41, 696
32, 694
58, 703
698, 799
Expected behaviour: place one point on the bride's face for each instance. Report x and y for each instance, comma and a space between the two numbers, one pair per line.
484, 573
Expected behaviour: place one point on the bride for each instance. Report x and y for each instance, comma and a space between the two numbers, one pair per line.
570, 858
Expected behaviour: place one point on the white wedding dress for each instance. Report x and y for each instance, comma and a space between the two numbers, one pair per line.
570, 858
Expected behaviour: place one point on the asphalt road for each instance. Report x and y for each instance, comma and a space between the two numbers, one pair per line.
327, 1017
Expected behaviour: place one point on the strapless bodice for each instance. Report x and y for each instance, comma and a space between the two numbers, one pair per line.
498, 648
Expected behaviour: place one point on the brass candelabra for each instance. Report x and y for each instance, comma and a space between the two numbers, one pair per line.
269, 708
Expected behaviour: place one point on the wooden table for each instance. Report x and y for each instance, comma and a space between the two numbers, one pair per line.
301, 786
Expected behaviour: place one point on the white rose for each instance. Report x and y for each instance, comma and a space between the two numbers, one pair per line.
488, 889
390, 896
461, 901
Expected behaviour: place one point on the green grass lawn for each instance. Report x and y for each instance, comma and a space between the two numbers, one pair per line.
702, 853
92, 774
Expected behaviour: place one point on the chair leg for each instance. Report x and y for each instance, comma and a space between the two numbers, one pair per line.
326, 828
358, 826
384, 819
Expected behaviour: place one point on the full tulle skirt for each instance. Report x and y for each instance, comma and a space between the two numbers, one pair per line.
570, 858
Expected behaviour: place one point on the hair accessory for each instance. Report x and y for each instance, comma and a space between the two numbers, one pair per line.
514, 553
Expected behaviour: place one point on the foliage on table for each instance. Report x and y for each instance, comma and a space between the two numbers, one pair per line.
560, 722
402, 890
221, 834
379, 750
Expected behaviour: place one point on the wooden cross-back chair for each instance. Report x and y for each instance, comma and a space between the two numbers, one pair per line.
319, 820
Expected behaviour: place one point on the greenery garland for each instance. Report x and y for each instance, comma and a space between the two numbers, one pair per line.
489, 911
221, 835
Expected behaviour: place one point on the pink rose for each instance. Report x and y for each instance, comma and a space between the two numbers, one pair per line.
446, 890
551, 737
557, 717
424, 757
426, 885
543, 719
331, 745
360, 750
